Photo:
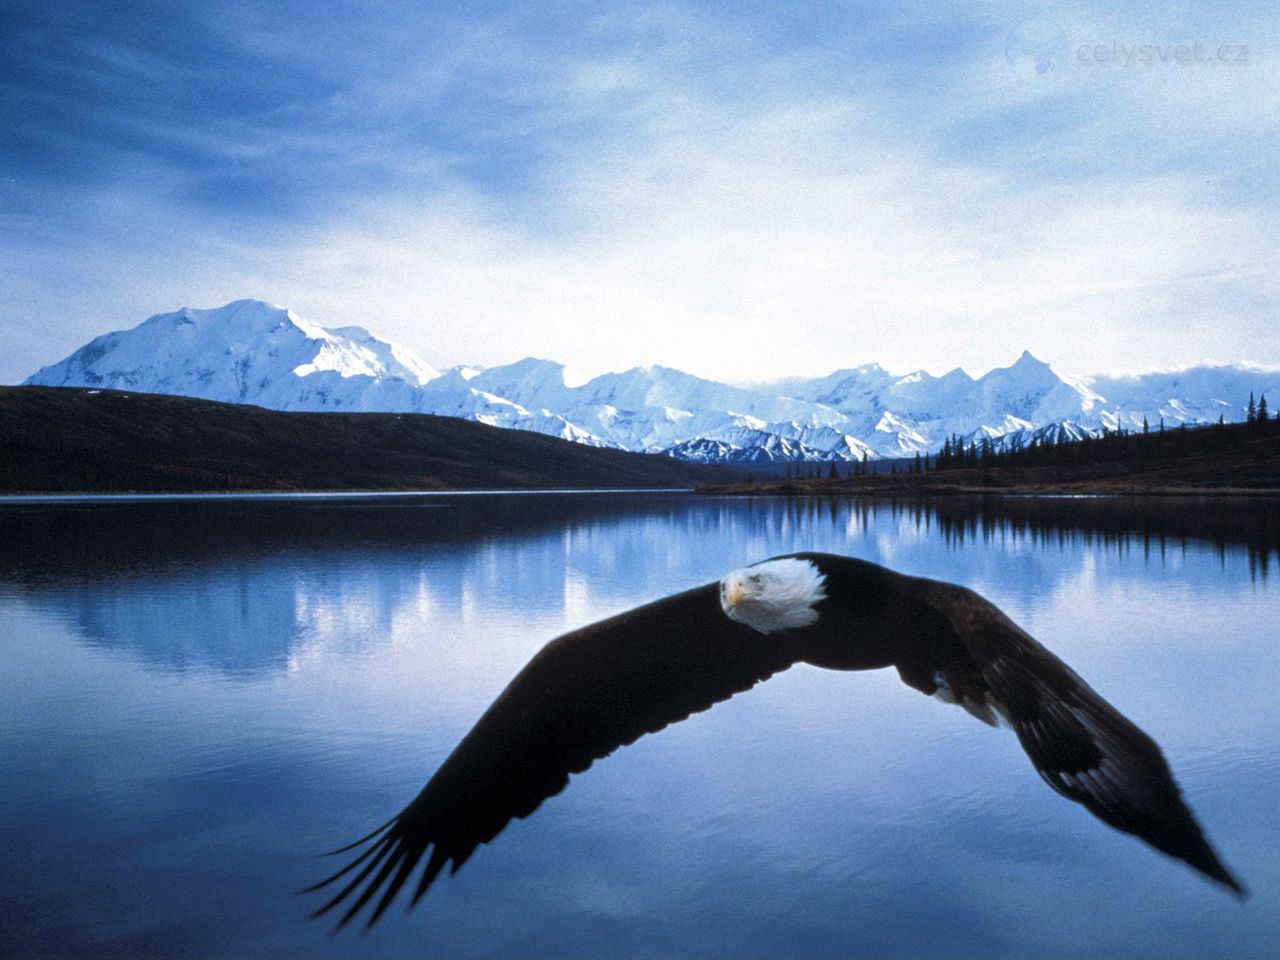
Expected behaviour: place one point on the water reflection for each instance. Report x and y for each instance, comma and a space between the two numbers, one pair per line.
197, 697
1149, 524
250, 587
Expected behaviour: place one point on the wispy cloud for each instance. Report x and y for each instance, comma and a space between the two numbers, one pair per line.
741, 192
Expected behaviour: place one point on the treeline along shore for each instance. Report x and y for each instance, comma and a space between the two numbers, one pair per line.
77, 440
1223, 458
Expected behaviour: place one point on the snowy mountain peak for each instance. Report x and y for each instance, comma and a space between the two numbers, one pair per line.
247, 351
239, 316
547, 370
957, 375
918, 376
250, 351
1026, 366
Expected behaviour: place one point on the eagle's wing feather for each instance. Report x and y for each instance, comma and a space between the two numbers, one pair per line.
1080, 744
580, 698
605, 686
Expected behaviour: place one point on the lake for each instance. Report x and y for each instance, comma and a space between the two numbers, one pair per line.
197, 697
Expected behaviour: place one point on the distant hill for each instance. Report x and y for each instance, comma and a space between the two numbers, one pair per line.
81, 440
254, 352
1223, 458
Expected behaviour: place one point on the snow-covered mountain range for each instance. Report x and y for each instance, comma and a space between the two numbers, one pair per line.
254, 352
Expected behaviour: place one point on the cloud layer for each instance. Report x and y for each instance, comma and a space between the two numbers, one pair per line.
729, 189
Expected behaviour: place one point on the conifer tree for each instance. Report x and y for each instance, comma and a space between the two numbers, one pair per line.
1251, 411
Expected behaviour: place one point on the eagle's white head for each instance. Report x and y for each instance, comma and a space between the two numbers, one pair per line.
774, 595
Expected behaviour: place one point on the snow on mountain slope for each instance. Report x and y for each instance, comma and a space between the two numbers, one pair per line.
253, 352
248, 352
1196, 394
899, 416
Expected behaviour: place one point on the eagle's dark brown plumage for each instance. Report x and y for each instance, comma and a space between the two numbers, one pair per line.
594, 690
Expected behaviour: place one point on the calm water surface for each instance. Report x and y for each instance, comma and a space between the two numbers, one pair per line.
196, 698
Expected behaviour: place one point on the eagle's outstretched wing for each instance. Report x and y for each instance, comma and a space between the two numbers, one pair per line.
580, 698
606, 685
1082, 746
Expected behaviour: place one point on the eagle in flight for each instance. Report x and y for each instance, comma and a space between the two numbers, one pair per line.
599, 688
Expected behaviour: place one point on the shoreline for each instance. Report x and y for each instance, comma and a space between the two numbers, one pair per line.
887, 489
838, 488
145, 496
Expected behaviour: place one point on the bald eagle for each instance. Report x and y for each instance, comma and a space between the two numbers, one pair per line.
599, 688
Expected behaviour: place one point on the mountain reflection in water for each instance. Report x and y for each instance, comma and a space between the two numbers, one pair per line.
243, 587
199, 696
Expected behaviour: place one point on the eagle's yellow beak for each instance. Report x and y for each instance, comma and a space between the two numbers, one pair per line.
734, 592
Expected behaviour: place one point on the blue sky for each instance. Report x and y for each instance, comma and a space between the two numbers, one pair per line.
743, 190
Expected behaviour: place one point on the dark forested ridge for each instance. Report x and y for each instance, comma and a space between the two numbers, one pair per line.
59, 439
1216, 458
